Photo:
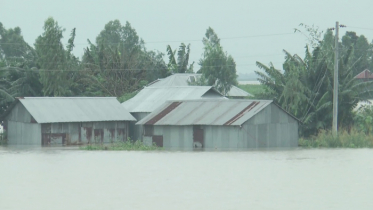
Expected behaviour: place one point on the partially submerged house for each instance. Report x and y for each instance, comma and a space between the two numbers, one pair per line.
66, 121
220, 124
150, 98
185, 79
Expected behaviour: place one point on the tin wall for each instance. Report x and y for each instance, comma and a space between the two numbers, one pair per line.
20, 133
136, 131
269, 128
20, 114
174, 137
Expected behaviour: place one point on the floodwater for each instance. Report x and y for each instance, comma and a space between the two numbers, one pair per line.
55, 178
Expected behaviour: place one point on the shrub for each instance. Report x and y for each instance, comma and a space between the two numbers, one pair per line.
345, 139
128, 145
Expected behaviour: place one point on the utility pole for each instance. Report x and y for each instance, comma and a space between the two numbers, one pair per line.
336, 83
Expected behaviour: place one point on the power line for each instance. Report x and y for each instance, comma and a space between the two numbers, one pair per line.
151, 42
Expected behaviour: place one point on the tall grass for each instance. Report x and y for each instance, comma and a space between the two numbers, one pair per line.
352, 139
120, 145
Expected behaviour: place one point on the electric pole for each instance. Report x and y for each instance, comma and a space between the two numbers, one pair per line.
336, 83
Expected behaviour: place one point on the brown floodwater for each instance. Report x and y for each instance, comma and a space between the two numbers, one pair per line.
67, 178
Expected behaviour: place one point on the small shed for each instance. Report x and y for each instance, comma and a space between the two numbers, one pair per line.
66, 121
150, 98
220, 124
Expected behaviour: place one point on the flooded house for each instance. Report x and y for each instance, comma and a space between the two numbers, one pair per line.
220, 124
150, 98
66, 121
186, 79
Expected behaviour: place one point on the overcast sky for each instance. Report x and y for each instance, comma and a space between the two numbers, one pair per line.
249, 30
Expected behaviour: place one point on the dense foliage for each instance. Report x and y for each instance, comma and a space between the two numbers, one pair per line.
305, 86
116, 64
217, 67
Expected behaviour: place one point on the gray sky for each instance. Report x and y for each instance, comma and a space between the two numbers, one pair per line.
163, 22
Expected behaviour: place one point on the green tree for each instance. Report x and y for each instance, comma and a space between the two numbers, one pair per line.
362, 54
305, 87
179, 65
13, 49
17, 59
217, 67
56, 63
119, 63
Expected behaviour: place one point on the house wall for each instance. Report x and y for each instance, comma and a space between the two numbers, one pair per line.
136, 131
19, 114
21, 128
20, 133
269, 128
174, 137
83, 133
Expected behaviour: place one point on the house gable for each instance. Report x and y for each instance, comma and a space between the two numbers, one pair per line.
19, 113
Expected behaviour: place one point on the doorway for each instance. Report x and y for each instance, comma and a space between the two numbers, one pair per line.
198, 137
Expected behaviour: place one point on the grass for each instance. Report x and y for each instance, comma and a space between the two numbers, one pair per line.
127, 145
255, 90
325, 139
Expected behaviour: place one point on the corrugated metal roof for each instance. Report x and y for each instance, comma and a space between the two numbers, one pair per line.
75, 109
183, 79
205, 112
150, 98
366, 74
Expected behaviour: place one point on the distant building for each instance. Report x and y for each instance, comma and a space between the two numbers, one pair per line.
150, 98
220, 124
186, 78
66, 121
364, 76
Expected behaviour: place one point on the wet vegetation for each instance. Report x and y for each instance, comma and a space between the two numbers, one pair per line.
325, 139
255, 90
128, 145
359, 135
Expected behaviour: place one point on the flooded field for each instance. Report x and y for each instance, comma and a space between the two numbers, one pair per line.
64, 179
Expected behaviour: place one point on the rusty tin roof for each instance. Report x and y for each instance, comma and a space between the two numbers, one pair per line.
205, 112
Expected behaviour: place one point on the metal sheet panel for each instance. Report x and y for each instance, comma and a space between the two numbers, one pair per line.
150, 98
183, 79
207, 112
20, 133
19, 114
75, 109
175, 137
